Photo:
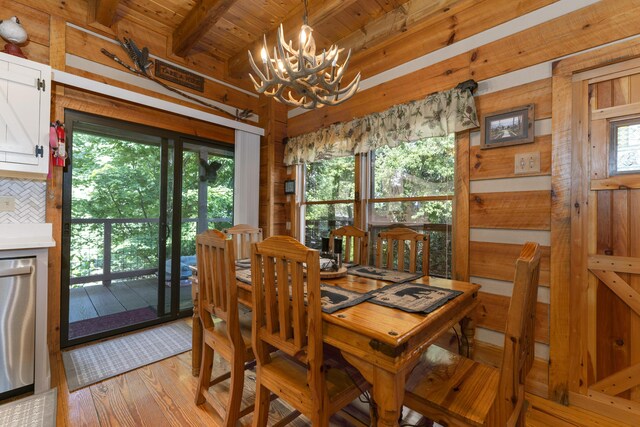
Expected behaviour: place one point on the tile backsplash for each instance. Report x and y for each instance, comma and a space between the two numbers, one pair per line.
30, 197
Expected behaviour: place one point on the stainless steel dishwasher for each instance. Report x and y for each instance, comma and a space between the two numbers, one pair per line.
17, 323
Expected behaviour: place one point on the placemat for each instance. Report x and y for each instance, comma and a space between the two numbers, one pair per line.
244, 275
334, 298
243, 263
384, 274
413, 297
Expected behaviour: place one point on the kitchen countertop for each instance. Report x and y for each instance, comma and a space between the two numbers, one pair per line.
26, 236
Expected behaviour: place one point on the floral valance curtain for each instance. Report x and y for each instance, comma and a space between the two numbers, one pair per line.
438, 114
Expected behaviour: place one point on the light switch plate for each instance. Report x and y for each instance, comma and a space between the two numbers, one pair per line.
7, 204
527, 163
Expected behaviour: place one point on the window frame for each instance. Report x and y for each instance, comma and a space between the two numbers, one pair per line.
613, 144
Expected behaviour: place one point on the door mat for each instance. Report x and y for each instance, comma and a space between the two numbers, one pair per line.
93, 363
38, 410
95, 325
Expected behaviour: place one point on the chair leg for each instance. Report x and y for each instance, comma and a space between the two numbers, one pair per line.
236, 387
206, 365
261, 411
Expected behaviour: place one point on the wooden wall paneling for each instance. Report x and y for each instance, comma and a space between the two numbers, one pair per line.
272, 170
634, 280
432, 34
599, 149
492, 314
500, 163
604, 94
54, 194
559, 322
537, 93
36, 23
587, 27
591, 26
461, 255
86, 46
620, 88
74, 11
634, 88
95, 104
498, 261
527, 210
579, 362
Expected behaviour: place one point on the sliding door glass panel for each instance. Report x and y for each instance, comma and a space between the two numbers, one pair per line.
114, 228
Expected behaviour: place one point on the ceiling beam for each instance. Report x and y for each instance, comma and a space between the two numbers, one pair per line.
195, 25
319, 11
104, 11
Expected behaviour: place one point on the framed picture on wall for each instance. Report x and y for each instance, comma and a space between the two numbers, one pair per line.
508, 127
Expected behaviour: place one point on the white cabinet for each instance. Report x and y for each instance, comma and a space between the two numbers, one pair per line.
25, 101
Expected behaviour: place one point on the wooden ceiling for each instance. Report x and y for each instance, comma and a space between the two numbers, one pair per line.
227, 29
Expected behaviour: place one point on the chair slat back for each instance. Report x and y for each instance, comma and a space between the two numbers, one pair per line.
518, 352
395, 242
280, 317
243, 235
355, 247
216, 274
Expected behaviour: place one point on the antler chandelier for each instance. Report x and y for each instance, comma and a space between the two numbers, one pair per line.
299, 77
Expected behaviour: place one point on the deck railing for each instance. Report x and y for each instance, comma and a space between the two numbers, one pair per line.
109, 249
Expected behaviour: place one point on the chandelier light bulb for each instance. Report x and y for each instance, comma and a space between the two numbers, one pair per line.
297, 77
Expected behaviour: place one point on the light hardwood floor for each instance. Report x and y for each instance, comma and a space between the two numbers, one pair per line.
162, 394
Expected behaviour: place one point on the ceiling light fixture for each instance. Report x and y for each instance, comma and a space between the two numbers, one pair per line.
299, 77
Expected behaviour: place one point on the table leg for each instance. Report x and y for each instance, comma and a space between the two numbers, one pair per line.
196, 334
387, 391
468, 329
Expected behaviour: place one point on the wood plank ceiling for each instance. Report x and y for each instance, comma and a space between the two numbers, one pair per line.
227, 29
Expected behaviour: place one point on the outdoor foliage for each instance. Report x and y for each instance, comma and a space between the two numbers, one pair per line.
421, 168
117, 179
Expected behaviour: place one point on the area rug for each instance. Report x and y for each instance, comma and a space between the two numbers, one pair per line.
384, 274
38, 410
88, 365
413, 297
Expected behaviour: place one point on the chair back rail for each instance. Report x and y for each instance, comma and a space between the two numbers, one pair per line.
212, 276
395, 242
280, 317
519, 339
355, 240
243, 235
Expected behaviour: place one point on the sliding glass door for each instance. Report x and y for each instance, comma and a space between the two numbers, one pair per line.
134, 199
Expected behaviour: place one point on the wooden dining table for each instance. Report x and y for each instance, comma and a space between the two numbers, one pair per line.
383, 343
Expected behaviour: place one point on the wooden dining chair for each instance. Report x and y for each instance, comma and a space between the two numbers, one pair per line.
391, 245
454, 390
243, 235
355, 247
299, 373
230, 334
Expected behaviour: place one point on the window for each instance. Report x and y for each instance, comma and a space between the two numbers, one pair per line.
329, 197
412, 184
625, 147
